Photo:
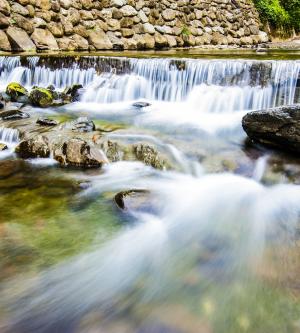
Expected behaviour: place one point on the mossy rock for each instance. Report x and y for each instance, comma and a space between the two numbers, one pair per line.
41, 97
15, 90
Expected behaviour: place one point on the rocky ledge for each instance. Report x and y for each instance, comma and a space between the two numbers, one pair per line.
30, 25
278, 127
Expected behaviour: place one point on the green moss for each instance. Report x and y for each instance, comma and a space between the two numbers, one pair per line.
14, 90
41, 97
185, 31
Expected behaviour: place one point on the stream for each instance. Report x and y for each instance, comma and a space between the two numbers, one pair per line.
209, 245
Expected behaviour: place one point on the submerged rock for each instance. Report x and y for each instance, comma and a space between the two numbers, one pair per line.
81, 124
34, 147
77, 152
278, 127
141, 105
73, 92
148, 155
3, 146
14, 90
132, 199
41, 97
46, 122
13, 114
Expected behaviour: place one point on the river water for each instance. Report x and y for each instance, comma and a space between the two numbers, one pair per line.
215, 245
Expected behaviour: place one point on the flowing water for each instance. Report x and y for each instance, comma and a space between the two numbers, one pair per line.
214, 247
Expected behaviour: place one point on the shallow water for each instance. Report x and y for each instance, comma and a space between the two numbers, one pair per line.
216, 246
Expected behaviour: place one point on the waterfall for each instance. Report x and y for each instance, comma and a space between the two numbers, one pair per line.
246, 84
9, 135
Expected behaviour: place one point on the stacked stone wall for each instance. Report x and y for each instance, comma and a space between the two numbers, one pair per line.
82, 25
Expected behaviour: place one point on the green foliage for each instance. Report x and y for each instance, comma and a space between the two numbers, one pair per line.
283, 14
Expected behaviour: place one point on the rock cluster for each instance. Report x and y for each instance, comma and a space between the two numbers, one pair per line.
30, 25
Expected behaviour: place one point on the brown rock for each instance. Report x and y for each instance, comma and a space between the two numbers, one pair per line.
81, 31
19, 40
4, 42
4, 7
74, 16
34, 147
127, 32
77, 152
67, 25
4, 21
31, 11
23, 23
99, 40
67, 44
56, 29
66, 4
160, 41
44, 39
43, 4
19, 9
81, 42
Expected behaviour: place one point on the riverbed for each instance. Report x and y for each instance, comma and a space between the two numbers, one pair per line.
212, 244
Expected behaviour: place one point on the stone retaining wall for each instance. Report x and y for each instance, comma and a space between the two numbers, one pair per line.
30, 25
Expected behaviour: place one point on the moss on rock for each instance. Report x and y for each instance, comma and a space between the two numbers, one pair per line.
41, 97
15, 90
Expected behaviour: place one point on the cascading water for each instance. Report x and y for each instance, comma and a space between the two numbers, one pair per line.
9, 135
202, 250
246, 84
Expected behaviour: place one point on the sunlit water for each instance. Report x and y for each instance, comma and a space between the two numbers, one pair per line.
216, 246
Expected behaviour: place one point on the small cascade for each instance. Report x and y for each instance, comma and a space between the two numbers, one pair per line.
207, 84
9, 135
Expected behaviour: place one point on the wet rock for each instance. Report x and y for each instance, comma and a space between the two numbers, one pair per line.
15, 90
34, 147
113, 151
3, 146
13, 114
278, 127
148, 155
77, 152
132, 199
41, 97
73, 91
141, 104
19, 39
81, 124
46, 122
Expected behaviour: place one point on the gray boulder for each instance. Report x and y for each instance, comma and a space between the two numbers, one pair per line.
278, 127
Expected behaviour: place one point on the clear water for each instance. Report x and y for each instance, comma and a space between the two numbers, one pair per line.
216, 247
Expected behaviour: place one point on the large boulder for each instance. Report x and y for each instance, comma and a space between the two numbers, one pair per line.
34, 147
4, 42
19, 39
100, 40
77, 152
41, 97
44, 39
14, 90
278, 127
